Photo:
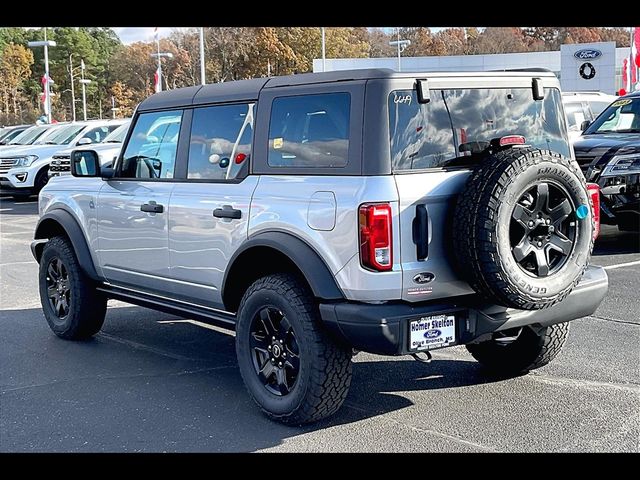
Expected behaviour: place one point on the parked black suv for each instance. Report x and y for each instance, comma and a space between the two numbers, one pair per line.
609, 154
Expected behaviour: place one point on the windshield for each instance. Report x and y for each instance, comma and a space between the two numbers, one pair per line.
622, 116
29, 136
117, 136
63, 136
458, 124
11, 134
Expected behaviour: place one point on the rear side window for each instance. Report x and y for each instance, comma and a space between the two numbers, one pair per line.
151, 151
310, 131
456, 124
220, 143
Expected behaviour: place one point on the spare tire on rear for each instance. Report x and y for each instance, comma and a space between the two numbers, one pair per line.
523, 228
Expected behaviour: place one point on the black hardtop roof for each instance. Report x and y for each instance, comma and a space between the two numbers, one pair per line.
245, 90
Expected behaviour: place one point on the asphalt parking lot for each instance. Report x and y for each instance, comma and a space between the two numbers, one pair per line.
152, 382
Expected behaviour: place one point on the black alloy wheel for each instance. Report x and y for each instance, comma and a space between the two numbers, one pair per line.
543, 229
275, 352
58, 287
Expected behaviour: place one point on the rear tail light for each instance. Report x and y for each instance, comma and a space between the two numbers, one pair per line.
376, 251
594, 192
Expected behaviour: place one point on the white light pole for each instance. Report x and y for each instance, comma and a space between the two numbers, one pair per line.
202, 72
324, 52
84, 82
73, 93
160, 55
47, 92
401, 44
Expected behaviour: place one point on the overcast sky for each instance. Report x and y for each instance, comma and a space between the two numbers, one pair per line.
140, 34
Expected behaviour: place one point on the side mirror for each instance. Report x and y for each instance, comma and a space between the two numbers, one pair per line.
85, 163
584, 125
85, 141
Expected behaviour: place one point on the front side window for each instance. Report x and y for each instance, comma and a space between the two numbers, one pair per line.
96, 135
151, 151
575, 115
622, 116
310, 131
220, 143
457, 124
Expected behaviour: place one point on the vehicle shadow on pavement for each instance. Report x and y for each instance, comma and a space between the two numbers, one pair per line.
141, 385
615, 242
9, 206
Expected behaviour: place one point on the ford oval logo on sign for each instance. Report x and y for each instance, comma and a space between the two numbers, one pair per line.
587, 54
435, 333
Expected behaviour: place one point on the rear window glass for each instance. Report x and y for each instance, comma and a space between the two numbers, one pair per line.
310, 131
456, 124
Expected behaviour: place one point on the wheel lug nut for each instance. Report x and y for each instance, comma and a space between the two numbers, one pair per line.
539, 244
547, 221
531, 223
281, 341
273, 338
284, 355
280, 364
269, 348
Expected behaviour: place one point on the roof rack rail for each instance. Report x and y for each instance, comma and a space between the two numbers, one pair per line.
532, 69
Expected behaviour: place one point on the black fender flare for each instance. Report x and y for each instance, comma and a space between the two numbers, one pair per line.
315, 270
72, 229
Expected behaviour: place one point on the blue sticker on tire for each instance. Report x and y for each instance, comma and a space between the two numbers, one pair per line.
582, 212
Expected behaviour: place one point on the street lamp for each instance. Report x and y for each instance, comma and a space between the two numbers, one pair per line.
401, 44
84, 82
47, 92
160, 55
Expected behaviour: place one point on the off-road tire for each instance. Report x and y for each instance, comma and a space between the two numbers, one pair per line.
87, 307
529, 351
481, 228
325, 366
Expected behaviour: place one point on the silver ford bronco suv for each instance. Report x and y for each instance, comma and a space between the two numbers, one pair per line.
323, 214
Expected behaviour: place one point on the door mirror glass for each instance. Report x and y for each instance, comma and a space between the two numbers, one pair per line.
85, 163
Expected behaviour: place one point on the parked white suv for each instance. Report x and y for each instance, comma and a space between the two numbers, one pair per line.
583, 106
24, 170
108, 149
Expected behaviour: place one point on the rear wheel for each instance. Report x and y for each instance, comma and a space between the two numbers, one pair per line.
72, 307
527, 350
292, 369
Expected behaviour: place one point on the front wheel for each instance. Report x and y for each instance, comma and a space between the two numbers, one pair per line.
528, 351
292, 369
73, 308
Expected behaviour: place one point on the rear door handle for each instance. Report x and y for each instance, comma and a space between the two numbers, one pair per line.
227, 211
421, 232
152, 207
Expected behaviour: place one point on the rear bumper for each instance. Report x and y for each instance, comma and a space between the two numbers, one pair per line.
384, 328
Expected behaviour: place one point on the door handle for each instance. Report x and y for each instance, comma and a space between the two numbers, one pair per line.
227, 211
421, 232
152, 207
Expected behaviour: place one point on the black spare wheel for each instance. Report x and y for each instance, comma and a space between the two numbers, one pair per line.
523, 228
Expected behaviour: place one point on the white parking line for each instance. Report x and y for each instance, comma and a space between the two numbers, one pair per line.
620, 265
17, 263
200, 324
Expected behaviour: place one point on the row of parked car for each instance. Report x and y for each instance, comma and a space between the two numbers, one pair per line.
30, 155
604, 130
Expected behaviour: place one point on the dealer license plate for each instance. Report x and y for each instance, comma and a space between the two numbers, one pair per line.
431, 332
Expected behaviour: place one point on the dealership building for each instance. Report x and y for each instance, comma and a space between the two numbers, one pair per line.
579, 66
